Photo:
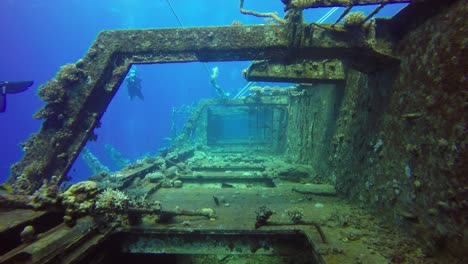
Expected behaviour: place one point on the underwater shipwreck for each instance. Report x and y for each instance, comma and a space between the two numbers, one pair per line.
362, 161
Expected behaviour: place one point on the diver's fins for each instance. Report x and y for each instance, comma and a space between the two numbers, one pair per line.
139, 94
2, 102
7, 87
15, 87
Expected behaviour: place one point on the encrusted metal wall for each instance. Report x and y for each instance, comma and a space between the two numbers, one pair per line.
401, 149
311, 125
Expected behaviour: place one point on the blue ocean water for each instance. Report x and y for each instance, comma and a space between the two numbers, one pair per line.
39, 36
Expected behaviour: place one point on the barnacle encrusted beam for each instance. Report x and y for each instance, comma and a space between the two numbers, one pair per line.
305, 71
80, 93
304, 4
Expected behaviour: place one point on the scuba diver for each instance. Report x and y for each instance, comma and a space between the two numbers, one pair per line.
7, 87
134, 84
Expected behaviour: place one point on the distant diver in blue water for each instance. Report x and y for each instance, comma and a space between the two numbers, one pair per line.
7, 87
133, 82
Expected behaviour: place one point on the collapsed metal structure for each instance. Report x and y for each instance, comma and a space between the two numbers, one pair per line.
362, 57
81, 92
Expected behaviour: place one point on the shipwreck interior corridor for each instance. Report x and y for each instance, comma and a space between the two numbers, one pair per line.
246, 178
340, 143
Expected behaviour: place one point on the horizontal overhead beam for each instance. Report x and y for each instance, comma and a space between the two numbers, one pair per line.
305, 71
304, 4
232, 43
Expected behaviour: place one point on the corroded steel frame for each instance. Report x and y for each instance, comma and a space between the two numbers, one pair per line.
304, 4
79, 95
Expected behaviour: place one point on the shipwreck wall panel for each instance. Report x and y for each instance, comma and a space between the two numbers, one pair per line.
311, 123
403, 152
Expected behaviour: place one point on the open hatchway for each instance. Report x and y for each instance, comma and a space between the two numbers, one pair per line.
260, 192
247, 127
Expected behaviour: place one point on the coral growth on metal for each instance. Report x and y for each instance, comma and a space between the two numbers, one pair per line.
344, 3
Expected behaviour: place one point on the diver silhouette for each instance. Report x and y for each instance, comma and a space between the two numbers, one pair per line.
133, 82
7, 87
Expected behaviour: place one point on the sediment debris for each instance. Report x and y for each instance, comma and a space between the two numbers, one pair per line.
264, 213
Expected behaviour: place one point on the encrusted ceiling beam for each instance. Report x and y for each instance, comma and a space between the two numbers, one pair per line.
80, 93
304, 4
305, 71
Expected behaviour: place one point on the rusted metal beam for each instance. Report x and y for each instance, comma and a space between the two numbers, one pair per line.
375, 11
345, 12
305, 4
80, 93
324, 71
56, 244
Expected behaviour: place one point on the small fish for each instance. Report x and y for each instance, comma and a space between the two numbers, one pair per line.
216, 200
226, 185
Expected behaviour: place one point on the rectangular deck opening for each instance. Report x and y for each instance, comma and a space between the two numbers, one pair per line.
167, 247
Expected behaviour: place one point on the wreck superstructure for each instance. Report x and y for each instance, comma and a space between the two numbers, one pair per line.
377, 117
